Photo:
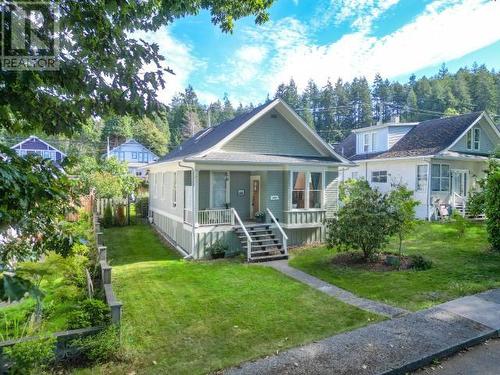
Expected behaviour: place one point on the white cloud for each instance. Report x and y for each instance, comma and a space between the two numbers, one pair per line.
446, 30
178, 56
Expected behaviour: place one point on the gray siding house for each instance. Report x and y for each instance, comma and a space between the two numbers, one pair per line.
217, 184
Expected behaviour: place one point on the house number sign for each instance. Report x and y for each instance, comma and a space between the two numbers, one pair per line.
275, 197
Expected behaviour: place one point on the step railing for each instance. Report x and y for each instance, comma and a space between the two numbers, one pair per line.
459, 203
283, 234
249, 239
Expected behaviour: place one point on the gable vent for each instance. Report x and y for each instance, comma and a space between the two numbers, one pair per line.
274, 115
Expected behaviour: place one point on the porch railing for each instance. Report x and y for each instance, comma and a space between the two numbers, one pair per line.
458, 202
216, 217
304, 217
249, 239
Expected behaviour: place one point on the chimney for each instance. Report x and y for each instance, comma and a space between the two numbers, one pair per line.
395, 119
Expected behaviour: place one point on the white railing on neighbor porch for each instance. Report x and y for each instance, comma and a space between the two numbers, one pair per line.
216, 217
458, 202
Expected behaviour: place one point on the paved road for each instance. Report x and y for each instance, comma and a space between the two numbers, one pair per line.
483, 359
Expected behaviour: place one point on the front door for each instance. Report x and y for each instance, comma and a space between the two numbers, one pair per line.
254, 195
459, 182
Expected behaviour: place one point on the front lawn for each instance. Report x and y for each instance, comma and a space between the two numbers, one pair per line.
461, 266
187, 317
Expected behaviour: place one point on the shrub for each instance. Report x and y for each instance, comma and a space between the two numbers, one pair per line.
420, 263
101, 347
363, 223
459, 223
492, 203
217, 250
476, 204
31, 357
107, 220
141, 207
89, 313
120, 218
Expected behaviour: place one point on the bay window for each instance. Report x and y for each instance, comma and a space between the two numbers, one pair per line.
298, 190
307, 190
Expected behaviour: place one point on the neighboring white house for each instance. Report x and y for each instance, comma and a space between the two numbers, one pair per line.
136, 156
441, 159
219, 184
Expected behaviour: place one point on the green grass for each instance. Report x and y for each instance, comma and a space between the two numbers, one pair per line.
196, 317
461, 266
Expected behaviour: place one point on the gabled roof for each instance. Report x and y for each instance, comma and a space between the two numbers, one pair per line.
40, 140
208, 141
129, 141
428, 138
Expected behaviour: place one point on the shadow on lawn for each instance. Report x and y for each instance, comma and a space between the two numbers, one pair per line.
136, 244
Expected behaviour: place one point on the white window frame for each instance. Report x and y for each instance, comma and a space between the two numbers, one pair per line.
441, 178
321, 190
379, 175
307, 177
421, 177
476, 138
374, 142
354, 175
366, 142
227, 177
134, 155
174, 190
468, 140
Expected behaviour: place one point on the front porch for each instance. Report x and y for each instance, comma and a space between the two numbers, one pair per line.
239, 203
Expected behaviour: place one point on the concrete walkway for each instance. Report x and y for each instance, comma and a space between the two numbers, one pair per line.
394, 346
334, 291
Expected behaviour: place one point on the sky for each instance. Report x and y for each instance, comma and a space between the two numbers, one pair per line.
327, 39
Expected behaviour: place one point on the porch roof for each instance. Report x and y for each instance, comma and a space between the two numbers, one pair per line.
244, 157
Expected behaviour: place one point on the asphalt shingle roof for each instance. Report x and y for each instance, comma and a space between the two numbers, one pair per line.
247, 157
209, 137
427, 138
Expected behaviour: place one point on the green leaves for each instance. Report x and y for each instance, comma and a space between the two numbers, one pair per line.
15, 288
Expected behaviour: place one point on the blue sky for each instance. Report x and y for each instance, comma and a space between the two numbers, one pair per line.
328, 39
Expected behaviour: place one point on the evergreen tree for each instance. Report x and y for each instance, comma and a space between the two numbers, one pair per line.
118, 129
410, 113
227, 110
190, 125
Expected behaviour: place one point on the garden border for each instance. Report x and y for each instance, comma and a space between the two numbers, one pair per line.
63, 338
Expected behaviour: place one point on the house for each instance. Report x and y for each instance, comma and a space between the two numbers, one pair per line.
135, 155
217, 183
35, 145
440, 159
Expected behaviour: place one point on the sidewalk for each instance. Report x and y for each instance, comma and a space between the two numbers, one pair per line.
334, 291
394, 346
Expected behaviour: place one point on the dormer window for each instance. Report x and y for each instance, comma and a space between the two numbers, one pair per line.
369, 142
473, 139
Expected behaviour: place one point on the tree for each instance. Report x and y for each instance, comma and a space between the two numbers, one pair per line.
147, 133
363, 222
228, 110
402, 212
105, 66
191, 125
35, 195
117, 129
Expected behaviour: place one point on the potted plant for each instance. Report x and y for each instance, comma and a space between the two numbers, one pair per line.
217, 250
260, 217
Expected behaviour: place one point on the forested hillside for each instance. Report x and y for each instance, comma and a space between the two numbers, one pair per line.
333, 109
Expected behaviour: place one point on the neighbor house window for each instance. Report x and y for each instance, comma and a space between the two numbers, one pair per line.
421, 178
134, 155
315, 190
477, 137
374, 142
379, 176
366, 142
473, 139
440, 177
174, 190
354, 175
298, 190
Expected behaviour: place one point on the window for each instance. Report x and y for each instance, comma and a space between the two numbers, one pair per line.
440, 177
134, 155
298, 190
315, 190
472, 139
218, 190
477, 136
165, 184
46, 154
366, 143
174, 190
374, 142
421, 178
354, 175
145, 157
379, 176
